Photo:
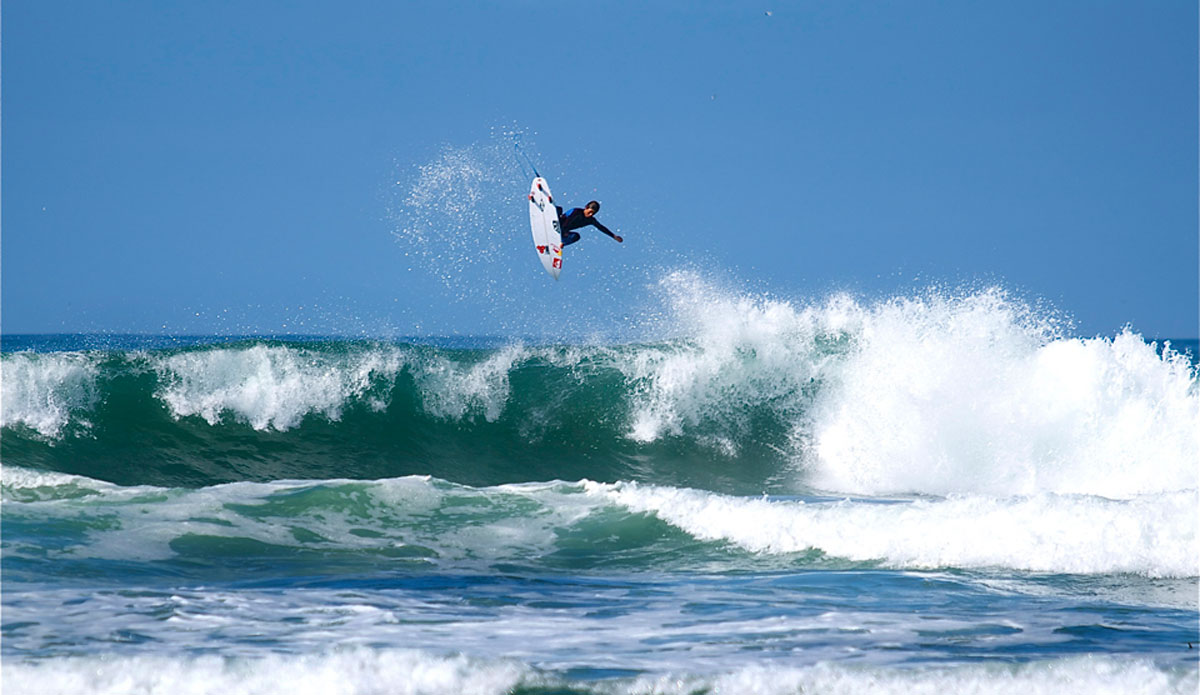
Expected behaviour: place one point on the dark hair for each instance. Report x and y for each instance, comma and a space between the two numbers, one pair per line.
593, 206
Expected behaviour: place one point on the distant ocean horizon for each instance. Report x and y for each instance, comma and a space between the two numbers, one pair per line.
935, 493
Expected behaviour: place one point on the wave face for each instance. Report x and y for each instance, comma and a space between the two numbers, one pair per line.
933, 395
272, 410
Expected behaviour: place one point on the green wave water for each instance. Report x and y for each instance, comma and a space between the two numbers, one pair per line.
268, 410
824, 408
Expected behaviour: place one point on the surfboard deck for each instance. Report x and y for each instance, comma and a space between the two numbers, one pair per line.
543, 219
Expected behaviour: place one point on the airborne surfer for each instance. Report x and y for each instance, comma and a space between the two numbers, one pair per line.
580, 217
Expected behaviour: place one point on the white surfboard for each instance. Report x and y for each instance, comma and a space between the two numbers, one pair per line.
543, 218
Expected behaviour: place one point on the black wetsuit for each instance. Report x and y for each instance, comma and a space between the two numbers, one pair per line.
574, 219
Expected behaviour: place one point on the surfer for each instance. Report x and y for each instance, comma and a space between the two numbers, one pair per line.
580, 217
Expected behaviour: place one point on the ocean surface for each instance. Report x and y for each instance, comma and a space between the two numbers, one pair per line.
931, 494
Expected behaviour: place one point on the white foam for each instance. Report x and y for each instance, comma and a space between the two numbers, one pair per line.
275, 387
1154, 535
942, 396
412, 672
20, 485
455, 390
730, 353
43, 391
19, 478
936, 394
351, 672
270, 387
1086, 676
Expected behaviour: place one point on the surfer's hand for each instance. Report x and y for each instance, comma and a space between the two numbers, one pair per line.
619, 239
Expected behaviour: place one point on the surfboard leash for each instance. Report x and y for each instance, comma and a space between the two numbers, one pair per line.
528, 161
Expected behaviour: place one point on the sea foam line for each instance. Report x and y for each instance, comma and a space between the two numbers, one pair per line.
412, 672
1153, 535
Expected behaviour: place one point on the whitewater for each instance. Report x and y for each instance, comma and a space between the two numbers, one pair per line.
940, 491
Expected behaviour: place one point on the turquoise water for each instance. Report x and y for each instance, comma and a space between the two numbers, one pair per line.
907, 497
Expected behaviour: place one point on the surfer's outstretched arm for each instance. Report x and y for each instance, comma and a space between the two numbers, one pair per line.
596, 223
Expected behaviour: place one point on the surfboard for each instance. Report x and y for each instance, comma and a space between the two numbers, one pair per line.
543, 219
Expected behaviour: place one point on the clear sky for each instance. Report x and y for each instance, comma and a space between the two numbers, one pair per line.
345, 167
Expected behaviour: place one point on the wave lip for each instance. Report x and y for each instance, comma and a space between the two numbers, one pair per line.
270, 386
44, 392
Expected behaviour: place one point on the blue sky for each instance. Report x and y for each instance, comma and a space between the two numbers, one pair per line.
249, 167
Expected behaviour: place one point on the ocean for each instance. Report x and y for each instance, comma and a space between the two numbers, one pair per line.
938, 493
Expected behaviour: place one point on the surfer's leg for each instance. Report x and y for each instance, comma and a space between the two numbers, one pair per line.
570, 237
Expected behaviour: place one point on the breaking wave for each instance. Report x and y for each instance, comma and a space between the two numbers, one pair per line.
936, 394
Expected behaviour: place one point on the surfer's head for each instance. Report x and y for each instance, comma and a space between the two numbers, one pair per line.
591, 208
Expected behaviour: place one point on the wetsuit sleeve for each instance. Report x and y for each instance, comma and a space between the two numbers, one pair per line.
596, 223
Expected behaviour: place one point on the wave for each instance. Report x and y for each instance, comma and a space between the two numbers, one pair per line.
1152, 536
421, 522
935, 394
362, 670
266, 411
